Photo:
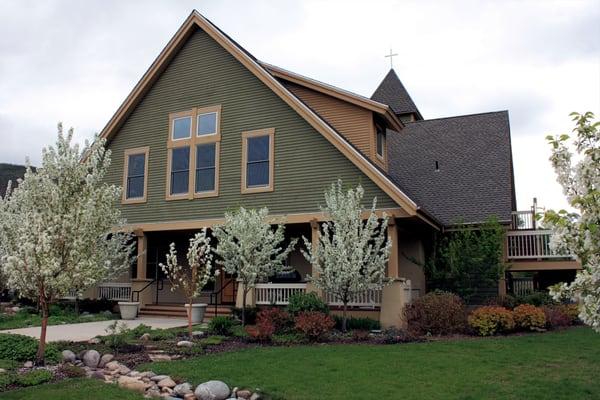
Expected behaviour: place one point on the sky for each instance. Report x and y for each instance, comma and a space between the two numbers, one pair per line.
76, 61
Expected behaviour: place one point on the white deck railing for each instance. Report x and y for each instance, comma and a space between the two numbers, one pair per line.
523, 220
368, 298
277, 293
530, 244
119, 291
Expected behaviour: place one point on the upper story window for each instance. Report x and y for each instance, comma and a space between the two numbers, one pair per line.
380, 142
257, 160
193, 159
135, 175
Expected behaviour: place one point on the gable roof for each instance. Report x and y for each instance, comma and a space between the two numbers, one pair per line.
336, 92
196, 20
475, 177
391, 91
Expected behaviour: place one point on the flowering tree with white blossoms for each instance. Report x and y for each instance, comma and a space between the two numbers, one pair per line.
250, 249
60, 229
191, 279
352, 254
579, 233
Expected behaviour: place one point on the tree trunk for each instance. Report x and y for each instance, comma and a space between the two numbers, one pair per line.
344, 317
189, 315
77, 305
42, 345
244, 306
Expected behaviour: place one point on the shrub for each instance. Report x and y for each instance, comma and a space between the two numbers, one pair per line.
363, 324
251, 313
556, 316
393, 335
437, 313
71, 371
117, 334
35, 377
360, 335
9, 364
572, 310
313, 324
489, 320
300, 302
7, 380
24, 348
221, 325
279, 320
95, 306
536, 299
529, 317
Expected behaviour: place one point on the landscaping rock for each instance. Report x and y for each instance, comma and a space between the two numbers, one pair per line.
189, 396
167, 382
123, 370
243, 394
255, 396
152, 392
158, 378
112, 366
28, 364
91, 358
95, 341
212, 390
198, 333
185, 343
105, 359
145, 337
98, 375
147, 374
132, 384
2, 371
182, 389
68, 356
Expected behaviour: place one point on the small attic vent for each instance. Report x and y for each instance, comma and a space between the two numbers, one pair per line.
437, 166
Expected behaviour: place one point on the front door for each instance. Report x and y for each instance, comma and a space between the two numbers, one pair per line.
228, 288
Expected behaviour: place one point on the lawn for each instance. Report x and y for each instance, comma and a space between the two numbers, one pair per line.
558, 365
72, 389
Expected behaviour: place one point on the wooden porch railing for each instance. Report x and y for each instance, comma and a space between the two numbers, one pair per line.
277, 293
368, 298
531, 245
119, 291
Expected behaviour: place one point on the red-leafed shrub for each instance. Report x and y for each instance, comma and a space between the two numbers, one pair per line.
572, 310
438, 313
556, 316
529, 317
313, 324
272, 320
489, 320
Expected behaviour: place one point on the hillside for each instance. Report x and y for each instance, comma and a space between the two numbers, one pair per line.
9, 172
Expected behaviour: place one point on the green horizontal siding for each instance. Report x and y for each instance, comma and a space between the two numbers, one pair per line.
204, 74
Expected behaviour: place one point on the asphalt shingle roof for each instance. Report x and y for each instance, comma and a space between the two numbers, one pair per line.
392, 92
475, 176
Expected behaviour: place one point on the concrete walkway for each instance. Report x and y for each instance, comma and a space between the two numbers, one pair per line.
87, 330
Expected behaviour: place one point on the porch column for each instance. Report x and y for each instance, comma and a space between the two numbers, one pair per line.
392, 235
142, 251
314, 227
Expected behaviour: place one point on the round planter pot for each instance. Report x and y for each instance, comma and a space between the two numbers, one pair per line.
129, 310
198, 311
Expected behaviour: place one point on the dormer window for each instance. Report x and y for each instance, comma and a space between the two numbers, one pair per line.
380, 143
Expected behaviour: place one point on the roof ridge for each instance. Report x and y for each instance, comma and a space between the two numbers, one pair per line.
459, 116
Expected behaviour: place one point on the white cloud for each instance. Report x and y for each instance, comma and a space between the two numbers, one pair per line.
76, 61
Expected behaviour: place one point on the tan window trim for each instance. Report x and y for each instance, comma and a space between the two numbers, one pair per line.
191, 143
256, 133
129, 152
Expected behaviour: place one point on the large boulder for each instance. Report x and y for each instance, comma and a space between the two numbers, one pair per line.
68, 356
91, 358
167, 382
132, 384
212, 390
185, 343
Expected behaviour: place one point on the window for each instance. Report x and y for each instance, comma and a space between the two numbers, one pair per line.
380, 143
135, 174
182, 128
180, 170
193, 164
206, 167
257, 161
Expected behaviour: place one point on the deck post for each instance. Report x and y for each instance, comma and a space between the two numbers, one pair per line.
392, 236
314, 227
142, 251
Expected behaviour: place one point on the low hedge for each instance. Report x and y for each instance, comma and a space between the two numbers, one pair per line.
529, 317
24, 348
436, 313
490, 320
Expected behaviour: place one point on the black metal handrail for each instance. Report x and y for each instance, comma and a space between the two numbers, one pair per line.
135, 294
214, 294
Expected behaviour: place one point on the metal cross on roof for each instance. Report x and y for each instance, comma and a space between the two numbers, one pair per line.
391, 56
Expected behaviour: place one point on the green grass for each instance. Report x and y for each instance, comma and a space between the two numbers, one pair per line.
72, 389
558, 365
23, 319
